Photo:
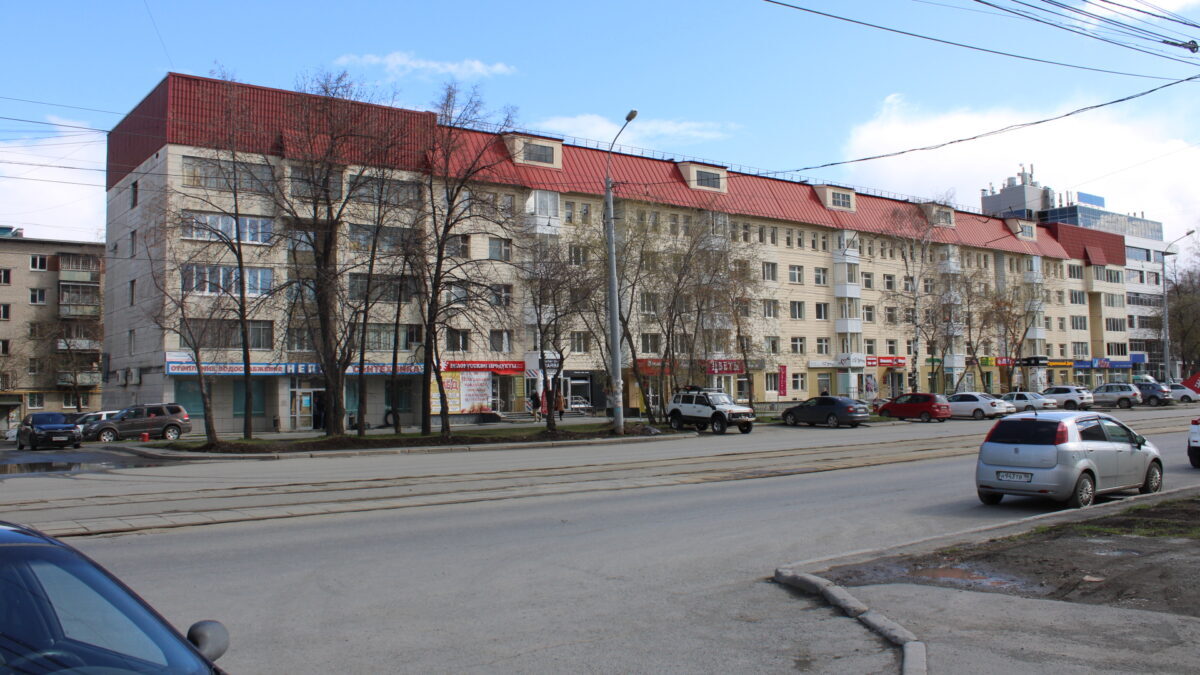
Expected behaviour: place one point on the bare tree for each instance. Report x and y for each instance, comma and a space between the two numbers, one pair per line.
913, 236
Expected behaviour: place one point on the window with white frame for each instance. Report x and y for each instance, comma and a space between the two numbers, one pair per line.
5, 276
771, 345
5, 311
796, 274
536, 152
800, 383
75, 401
543, 203
1079, 350
458, 340
37, 296
799, 345
502, 295
581, 342
708, 179
822, 311
868, 280
889, 282
891, 345
221, 227
770, 309
821, 276
890, 315
39, 263
651, 343
823, 345
500, 340
1079, 322
771, 381
35, 400
868, 313
223, 279
869, 345
770, 271
216, 174
797, 309
499, 248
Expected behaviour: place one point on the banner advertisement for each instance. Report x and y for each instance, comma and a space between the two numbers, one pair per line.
466, 392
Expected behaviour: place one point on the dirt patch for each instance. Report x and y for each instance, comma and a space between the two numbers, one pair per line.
1141, 558
351, 442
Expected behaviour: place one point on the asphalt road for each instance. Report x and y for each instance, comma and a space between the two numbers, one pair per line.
666, 578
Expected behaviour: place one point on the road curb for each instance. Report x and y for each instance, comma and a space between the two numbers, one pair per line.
912, 652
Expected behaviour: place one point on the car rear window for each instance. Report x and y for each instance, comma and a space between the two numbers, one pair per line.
1024, 431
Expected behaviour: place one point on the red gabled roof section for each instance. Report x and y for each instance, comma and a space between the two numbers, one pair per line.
1096, 247
200, 111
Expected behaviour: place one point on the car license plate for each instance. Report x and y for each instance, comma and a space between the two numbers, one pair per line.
58, 438
1014, 476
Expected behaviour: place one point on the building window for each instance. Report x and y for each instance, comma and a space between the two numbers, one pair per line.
772, 382
35, 400
220, 227
501, 340
585, 214
797, 309
35, 366
889, 282
890, 315
217, 174
770, 271
1078, 298
823, 345
821, 276
544, 203
133, 194
224, 279
1079, 323
868, 280
799, 345
1075, 271
1114, 325
1117, 349
771, 346
796, 274
39, 263
568, 212
869, 345
649, 303
5, 276
77, 402
651, 343
457, 340
458, 246
822, 311
499, 249
840, 200
5, 347
501, 295
708, 179
891, 347
581, 342
132, 291
577, 254
1079, 350
37, 296
868, 313
5, 311
770, 309
536, 152
800, 383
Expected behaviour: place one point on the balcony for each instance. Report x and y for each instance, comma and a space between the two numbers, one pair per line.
847, 325
1035, 333
78, 311
950, 266
849, 255
85, 378
80, 276
955, 361
1034, 277
535, 224
77, 345
847, 290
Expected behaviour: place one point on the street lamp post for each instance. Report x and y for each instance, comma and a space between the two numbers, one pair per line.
614, 299
1166, 308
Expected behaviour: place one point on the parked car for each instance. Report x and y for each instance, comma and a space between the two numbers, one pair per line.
702, 407
1066, 456
832, 411
1070, 397
160, 420
1183, 394
39, 430
978, 405
1155, 393
87, 418
924, 407
1119, 394
62, 612
1029, 400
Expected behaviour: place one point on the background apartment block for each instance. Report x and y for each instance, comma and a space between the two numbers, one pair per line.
772, 289
50, 335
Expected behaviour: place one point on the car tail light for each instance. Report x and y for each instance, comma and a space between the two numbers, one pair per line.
1060, 434
1196, 421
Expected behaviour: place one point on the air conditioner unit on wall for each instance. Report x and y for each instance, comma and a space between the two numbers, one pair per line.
121, 377
135, 376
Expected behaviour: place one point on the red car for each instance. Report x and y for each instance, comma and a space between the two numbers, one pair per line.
924, 407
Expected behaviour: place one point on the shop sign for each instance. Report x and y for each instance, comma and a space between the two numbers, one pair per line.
533, 361
1120, 364
1060, 364
500, 367
724, 367
987, 360
1084, 364
1034, 361
892, 361
653, 367
1137, 358
872, 361
933, 361
275, 369
853, 360
822, 363
783, 380
1003, 361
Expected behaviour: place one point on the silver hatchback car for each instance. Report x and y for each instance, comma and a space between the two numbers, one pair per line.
1066, 456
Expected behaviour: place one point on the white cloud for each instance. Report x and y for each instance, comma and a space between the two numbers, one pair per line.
50, 202
399, 64
642, 133
1132, 159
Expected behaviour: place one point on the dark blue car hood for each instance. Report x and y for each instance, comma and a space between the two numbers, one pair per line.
54, 427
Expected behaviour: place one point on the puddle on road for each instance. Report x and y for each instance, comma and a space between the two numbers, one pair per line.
17, 463
964, 575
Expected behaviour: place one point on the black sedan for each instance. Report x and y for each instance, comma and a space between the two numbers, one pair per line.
832, 411
39, 430
61, 612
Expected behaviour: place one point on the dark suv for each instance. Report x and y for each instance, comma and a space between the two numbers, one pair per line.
160, 420
1154, 393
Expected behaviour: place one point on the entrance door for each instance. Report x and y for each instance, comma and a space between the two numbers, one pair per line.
302, 409
502, 393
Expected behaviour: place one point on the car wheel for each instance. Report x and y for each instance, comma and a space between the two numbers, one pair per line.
745, 428
676, 422
78, 445
20, 445
1124, 403
1155, 401
789, 419
1194, 457
108, 436
990, 498
925, 417
1070, 405
33, 443
978, 414
832, 422
1186, 399
1028, 408
171, 433
701, 426
718, 424
1153, 482
1084, 493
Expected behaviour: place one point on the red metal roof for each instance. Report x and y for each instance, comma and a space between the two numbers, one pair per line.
1097, 247
204, 112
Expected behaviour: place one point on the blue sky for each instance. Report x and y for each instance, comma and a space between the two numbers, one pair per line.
740, 82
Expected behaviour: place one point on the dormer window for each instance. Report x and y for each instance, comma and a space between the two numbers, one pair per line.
534, 150
1024, 229
840, 199
707, 177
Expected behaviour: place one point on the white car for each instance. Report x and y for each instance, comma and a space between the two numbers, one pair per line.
88, 418
1070, 397
1183, 394
978, 405
1029, 400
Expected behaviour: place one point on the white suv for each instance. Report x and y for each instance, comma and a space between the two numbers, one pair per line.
1070, 397
1120, 394
703, 407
